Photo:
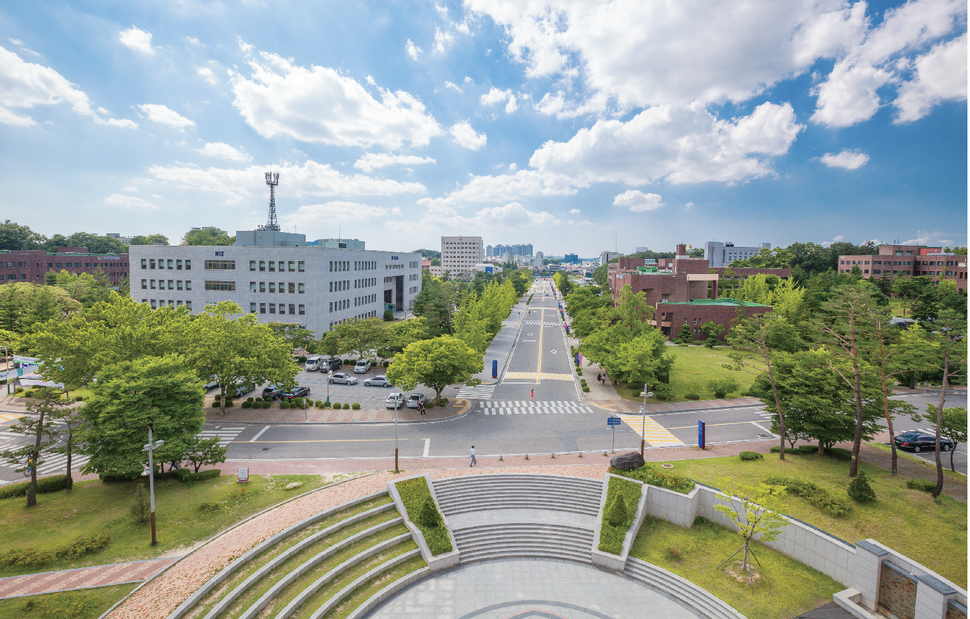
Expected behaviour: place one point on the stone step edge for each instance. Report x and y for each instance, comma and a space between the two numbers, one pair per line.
682, 589
671, 588
259, 574
349, 589
227, 571
301, 569
467, 493
559, 506
515, 479
563, 556
310, 590
391, 589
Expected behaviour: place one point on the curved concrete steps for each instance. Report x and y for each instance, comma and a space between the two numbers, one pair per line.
471, 493
516, 540
680, 589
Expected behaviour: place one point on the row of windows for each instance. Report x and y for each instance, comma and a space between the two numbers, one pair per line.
14, 276
284, 265
339, 286
211, 285
413, 277
365, 265
220, 265
367, 282
339, 265
149, 263
336, 306
413, 289
371, 298
394, 266
59, 265
295, 309
414, 265
293, 287
372, 314
149, 284
18, 264
170, 303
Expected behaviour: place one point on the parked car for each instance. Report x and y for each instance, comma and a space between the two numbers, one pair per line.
333, 363
415, 399
212, 383
918, 441
377, 381
241, 390
394, 400
272, 391
343, 379
363, 366
297, 392
313, 364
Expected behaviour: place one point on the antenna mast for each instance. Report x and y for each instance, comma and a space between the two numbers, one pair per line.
272, 179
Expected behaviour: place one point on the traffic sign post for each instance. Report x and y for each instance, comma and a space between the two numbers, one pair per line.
612, 422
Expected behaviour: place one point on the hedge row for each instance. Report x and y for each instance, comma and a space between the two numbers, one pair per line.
843, 455
184, 474
29, 557
44, 485
814, 494
622, 498
416, 496
650, 475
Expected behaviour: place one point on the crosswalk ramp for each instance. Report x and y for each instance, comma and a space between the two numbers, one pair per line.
651, 431
476, 392
537, 376
539, 407
225, 435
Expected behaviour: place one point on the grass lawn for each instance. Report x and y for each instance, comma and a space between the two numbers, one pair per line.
787, 588
82, 604
908, 521
93, 508
694, 364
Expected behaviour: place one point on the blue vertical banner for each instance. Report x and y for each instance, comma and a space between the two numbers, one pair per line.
494, 369
701, 434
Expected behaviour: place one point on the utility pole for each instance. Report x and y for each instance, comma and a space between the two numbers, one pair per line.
150, 448
643, 417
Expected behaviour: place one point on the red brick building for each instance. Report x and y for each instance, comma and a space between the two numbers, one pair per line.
910, 260
670, 316
31, 265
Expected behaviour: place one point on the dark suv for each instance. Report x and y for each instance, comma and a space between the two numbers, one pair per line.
296, 392
918, 441
272, 391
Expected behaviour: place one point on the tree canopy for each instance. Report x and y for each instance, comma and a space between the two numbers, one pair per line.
435, 363
208, 235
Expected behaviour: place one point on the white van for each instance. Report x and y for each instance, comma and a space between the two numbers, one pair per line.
313, 364
362, 367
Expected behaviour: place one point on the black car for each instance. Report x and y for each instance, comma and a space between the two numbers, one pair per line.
272, 391
918, 441
297, 392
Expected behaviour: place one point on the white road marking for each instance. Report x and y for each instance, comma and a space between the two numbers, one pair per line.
427, 447
259, 434
761, 427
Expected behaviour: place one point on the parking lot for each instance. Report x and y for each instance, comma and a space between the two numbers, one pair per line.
369, 398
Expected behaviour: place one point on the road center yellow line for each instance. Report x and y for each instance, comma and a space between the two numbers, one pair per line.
542, 316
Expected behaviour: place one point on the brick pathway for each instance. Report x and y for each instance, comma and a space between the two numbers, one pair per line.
65, 580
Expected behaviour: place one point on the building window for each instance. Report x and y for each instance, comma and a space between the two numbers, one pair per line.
144, 284
281, 266
211, 285
170, 261
144, 263
151, 284
188, 305
272, 308
302, 290
282, 308
188, 284
272, 266
331, 307
151, 263
282, 287
262, 265
178, 265
272, 286
292, 288
188, 267
302, 309
262, 308
220, 265
154, 305
252, 308
262, 286
291, 266
252, 265
252, 286
178, 285
171, 284
299, 266
292, 307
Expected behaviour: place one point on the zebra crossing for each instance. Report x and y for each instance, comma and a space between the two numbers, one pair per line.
477, 392
537, 376
544, 323
650, 431
526, 407
225, 435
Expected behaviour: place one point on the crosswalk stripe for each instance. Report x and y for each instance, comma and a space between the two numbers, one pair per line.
477, 392
652, 432
537, 375
545, 407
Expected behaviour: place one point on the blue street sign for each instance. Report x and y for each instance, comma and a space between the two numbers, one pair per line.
613, 421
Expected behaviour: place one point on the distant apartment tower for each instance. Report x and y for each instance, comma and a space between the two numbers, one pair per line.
538, 259
640, 250
606, 256
497, 251
723, 254
571, 259
460, 254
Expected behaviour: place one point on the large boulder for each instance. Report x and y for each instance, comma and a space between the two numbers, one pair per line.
627, 461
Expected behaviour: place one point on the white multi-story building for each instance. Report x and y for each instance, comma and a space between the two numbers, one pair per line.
723, 254
606, 256
315, 287
460, 254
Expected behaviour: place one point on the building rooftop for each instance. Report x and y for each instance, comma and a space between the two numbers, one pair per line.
724, 302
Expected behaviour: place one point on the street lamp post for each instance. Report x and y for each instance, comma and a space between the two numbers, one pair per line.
150, 448
643, 417
329, 374
396, 403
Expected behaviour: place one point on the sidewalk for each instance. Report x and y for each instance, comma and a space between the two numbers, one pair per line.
500, 349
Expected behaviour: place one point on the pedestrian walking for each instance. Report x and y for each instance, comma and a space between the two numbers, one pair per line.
532, 395
420, 408
599, 378
473, 462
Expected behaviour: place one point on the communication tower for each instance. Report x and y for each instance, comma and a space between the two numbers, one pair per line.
272, 179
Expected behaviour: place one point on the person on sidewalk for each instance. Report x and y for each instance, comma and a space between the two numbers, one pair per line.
599, 378
420, 408
473, 462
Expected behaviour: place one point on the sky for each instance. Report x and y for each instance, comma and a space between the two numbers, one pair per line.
577, 125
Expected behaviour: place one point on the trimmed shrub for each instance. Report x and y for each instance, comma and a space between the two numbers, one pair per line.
284, 404
79, 398
650, 475
431, 404
301, 360
430, 516
815, 495
247, 404
335, 405
188, 475
617, 512
860, 491
28, 557
45, 485
749, 456
444, 401
585, 388
228, 403
140, 509
921, 484
346, 406
215, 404
318, 403
29, 394
355, 406
579, 371
250, 399
691, 396
217, 396
663, 392
721, 387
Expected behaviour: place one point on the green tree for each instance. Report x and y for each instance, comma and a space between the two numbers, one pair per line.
686, 335
360, 336
96, 244
66, 425
721, 387
151, 239
294, 335
435, 363
713, 332
950, 334
161, 392
436, 304
208, 235
953, 426
15, 237
919, 293
23, 305
202, 451
755, 513
643, 361
562, 281
633, 310
38, 427
85, 288
234, 348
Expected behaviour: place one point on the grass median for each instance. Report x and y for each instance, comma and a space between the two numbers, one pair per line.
693, 367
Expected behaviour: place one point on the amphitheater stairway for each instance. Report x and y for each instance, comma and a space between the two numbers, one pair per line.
325, 566
522, 515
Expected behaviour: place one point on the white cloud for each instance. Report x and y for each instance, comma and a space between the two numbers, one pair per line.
193, 41
162, 115
929, 238
524, 183
679, 145
130, 188
337, 211
26, 85
453, 87
493, 220
224, 151
442, 40
557, 105
575, 211
412, 50
847, 159
370, 161
469, 80
688, 206
312, 178
941, 75
498, 96
137, 40
513, 167
280, 98
22, 47
244, 47
131, 203
466, 136
638, 202
208, 75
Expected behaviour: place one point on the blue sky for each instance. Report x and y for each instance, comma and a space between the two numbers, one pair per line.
577, 126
